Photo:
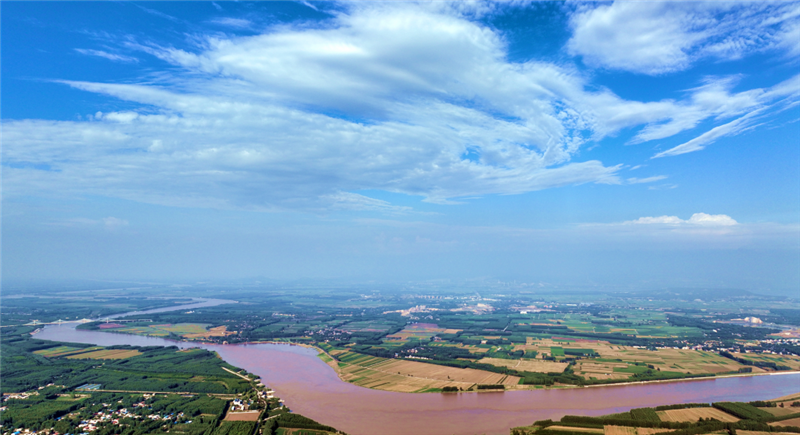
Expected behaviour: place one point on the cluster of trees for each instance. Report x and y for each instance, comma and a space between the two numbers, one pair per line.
44, 412
721, 331
293, 421
753, 419
156, 369
235, 428
747, 362
491, 387
744, 411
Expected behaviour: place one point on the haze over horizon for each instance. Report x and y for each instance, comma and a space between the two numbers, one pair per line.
624, 144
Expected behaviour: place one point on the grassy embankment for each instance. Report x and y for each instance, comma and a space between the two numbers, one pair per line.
775, 417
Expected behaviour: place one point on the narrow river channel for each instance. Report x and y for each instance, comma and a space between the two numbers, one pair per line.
311, 388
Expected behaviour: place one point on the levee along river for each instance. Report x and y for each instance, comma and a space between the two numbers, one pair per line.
311, 388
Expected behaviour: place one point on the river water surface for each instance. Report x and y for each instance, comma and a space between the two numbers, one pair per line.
310, 387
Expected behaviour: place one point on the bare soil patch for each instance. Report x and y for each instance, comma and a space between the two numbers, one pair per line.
107, 354
778, 411
694, 414
619, 430
650, 430
795, 422
576, 429
242, 416
528, 365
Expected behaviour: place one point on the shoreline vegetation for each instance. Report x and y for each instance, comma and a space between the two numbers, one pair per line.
478, 352
58, 387
531, 387
383, 378
476, 343
252, 408
778, 416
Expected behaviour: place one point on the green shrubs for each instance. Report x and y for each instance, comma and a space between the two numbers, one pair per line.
743, 411
644, 414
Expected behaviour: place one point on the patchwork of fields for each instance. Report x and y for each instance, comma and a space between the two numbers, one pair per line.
692, 415
189, 331
87, 353
410, 376
618, 362
528, 365
419, 331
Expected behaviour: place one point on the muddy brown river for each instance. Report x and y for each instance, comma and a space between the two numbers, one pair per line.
311, 388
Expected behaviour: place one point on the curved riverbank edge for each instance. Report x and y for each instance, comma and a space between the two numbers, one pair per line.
200, 302
335, 368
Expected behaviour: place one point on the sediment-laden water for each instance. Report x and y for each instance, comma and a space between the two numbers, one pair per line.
312, 388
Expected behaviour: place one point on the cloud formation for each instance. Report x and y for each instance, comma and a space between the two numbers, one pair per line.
107, 55
663, 37
408, 98
696, 219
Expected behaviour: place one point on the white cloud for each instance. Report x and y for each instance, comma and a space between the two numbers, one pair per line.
635, 180
109, 223
662, 37
711, 219
310, 5
239, 23
696, 219
700, 142
107, 55
114, 223
387, 96
354, 201
663, 187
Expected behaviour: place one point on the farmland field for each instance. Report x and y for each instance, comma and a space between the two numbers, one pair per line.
694, 414
790, 361
528, 365
650, 430
290, 431
242, 416
588, 430
106, 354
619, 430
420, 331
791, 422
411, 376
186, 330
63, 351
614, 360
777, 411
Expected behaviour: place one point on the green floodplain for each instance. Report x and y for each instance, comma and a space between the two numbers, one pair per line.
133, 390
514, 337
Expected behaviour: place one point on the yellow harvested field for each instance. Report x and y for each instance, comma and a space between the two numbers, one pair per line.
783, 360
107, 354
528, 365
411, 376
619, 430
63, 351
756, 432
778, 411
666, 360
795, 422
694, 414
577, 429
650, 430
600, 370
790, 397
219, 331
242, 416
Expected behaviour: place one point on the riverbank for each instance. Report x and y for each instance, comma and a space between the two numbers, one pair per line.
311, 388
333, 363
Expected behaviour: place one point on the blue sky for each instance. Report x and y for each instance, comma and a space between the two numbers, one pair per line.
625, 143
